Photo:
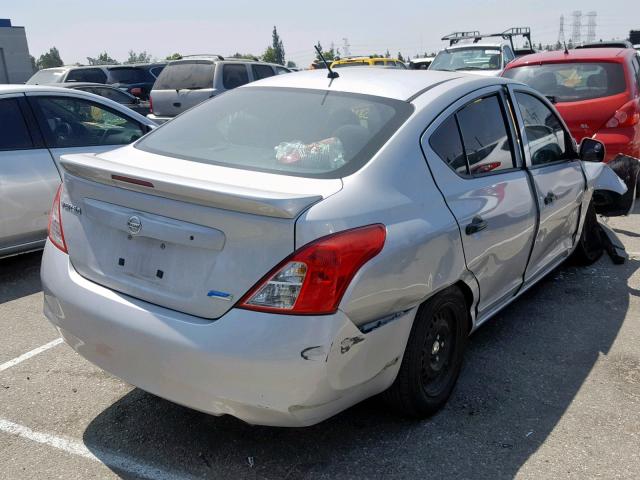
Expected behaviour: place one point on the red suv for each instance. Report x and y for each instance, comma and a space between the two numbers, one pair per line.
596, 90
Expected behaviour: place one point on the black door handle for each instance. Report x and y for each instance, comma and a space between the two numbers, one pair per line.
477, 225
549, 198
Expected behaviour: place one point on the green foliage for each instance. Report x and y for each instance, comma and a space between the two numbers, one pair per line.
102, 59
142, 57
250, 56
292, 64
387, 54
50, 59
400, 57
275, 53
270, 55
173, 56
34, 65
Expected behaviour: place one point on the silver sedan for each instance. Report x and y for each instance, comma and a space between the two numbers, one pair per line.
294, 246
39, 124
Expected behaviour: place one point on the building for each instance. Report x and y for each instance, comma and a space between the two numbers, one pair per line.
15, 61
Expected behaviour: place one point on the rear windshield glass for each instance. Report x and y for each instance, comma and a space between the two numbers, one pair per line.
46, 76
191, 75
309, 133
471, 58
572, 82
128, 75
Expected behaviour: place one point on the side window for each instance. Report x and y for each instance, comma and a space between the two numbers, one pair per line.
234, 75
112, 94
547, 138
93, 75
508, 55
75, 122
485, 136
378, 62
636, 69
446, 142
14, 134
282, 70
261, 71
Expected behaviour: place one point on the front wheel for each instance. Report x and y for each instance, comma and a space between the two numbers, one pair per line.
433, 356
590, 245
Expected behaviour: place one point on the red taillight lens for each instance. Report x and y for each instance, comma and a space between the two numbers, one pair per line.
626, 116
137, 91
313, 280
56, 234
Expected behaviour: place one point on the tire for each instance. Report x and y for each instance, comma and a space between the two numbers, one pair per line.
590, 245
433, 357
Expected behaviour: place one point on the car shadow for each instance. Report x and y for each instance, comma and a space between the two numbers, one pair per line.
20, 276
522, 371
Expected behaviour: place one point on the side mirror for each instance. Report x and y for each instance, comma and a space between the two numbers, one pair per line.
591, 150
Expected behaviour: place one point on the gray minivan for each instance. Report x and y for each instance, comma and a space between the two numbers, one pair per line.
186, 82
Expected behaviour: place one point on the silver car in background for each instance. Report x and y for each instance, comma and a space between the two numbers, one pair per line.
283, 251
193, 79
39, 124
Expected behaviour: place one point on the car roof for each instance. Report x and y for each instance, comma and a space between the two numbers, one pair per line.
579, 55
458, 46
394, 83
81, 84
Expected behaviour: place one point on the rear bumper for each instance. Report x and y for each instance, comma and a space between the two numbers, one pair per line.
158, 119
262, 368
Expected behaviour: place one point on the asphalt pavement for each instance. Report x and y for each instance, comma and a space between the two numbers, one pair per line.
550, 389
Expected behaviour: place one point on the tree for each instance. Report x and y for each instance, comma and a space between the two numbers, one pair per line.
292, 64
142, 57
387, 54
400, 57
244, 55
34, 65
173, 56
102, 59
276, 50
270, 55
50, 59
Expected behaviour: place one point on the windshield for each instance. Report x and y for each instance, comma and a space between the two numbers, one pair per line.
309, 133
189, 74
46, 76
127, 75
468, 58
572, 82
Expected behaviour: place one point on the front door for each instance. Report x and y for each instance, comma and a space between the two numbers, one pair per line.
558, 179
477, 167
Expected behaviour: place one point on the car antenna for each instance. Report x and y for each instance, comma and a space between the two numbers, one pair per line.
566, 50
331, 74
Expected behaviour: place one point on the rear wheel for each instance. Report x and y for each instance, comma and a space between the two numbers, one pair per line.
590, 246
433, 356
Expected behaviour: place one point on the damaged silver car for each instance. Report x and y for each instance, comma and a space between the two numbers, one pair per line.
294, 246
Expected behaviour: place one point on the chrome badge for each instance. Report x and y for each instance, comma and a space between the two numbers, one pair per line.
70, 207
134, 224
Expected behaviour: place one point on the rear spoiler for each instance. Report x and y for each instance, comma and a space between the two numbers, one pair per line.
228, 197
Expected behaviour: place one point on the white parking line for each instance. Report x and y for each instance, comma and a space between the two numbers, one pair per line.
26, 356
74, 447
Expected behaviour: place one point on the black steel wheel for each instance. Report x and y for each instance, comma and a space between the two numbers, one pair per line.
433, 356
590, 245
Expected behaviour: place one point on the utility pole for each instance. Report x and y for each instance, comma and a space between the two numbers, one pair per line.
576, 33
591, 26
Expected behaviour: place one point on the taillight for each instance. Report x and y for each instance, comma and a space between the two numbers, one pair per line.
313, 280
137, 91
626, 116
56, 234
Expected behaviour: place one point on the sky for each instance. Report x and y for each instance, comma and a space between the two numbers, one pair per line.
84, 28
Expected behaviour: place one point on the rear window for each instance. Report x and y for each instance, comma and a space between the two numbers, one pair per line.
128, 75
468, 59
46, 76
259, 128
94, 75
190, 75
572, 82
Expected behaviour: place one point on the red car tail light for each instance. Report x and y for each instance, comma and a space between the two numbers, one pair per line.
55, 231
313, 279
136, 91
626, 116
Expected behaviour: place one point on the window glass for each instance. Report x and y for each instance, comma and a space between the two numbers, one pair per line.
572, 82
155, 71
508, 55
378, 62
259, 128
545, 134
74, 122
446, 142
186, 74
93, 75
14, 133
234, 75
128, 75
485, 136
112, 94
261, 71
48, 75
467, 58
391, 64
282, 70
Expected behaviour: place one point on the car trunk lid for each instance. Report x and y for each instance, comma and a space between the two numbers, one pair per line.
150, 227
586, 117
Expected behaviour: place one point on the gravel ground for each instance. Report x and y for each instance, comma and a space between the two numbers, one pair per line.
550, 389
